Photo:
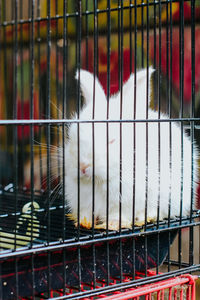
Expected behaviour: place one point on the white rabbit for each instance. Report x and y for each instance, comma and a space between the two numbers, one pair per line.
149, 183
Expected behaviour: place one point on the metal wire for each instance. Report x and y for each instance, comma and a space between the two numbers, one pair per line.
78, 62
78, 121
139, 24
191, 238
181, 72
107, 138
15, 143
64, 106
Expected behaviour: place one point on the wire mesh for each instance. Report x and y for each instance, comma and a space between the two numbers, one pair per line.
42, 45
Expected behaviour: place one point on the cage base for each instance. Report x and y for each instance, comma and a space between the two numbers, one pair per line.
180, 287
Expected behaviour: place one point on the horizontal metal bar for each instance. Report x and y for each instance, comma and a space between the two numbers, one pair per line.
86, 13
176, 263
63, 121
86, 241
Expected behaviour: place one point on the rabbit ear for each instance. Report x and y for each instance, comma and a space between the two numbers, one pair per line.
141, 91
88, 87
142, 78
141, 101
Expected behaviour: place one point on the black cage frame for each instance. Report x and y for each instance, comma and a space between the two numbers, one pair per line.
63, 249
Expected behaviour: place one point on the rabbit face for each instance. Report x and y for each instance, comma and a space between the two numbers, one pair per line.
94, 150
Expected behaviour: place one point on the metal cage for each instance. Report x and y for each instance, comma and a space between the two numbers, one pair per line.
45, 251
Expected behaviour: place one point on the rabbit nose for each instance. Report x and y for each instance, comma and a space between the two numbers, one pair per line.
83, 167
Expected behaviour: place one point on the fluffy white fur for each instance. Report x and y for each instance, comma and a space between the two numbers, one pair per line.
159, 185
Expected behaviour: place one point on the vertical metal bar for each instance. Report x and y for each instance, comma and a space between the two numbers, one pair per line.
32, 62
154, 34
48, 136
167, 55
142, 33
162, 294
155, 49
64, 101
191, 234
86, 35
121, 105
159, 69
64, 112
97, 39
119, 42
58, 94
22, 87
158, 295
170, 135
147, 137
15, 139
121, 57
93, 115
188, 293
67, 114
181, 293
107, 136
5, 111
93, 139
48, 110
1, 17
130, 35
170, 293
40, 100
5, 76
193, 290
33, 276
78, 63
57, 56
65, 73
181, 72
134, 130
1, 282
4, 50
159, 132
175, 293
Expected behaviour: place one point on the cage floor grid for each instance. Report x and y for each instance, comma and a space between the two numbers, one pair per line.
48, 261
180, 287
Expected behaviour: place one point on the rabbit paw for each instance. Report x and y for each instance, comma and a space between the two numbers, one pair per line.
114, 225
139, 222
83, 222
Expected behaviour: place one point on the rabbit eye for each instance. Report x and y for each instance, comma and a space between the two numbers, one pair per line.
112, 141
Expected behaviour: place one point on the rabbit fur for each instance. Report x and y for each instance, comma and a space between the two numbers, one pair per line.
150, 171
